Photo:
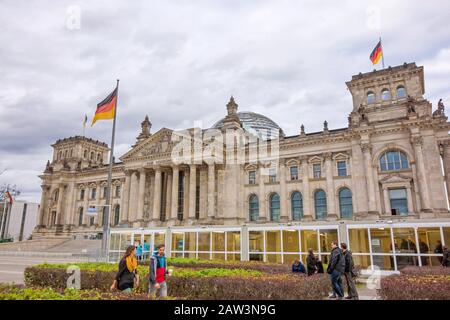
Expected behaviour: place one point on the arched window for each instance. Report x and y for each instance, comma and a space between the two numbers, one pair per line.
393, 160
80, 216
345, 203
296, 205
59, 155
320, 203
401, 92
370, 97
116, 215
92, 155
98, 157
274, 203
71, 153
66, 153
385, 95
253, 207
85, 154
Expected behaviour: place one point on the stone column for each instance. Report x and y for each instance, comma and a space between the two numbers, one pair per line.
157, 195
70, 206
421, 173
192, 191
445, 153
331, 202
409, 199
387, 203
85, 205
366, 149
125, 198
283, 193
211, 191
141, 193
42, 207
59, 205
175, 183
307, 213
132, 209
263, 217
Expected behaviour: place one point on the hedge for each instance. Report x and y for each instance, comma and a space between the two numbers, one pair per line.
212, 283
414, 283
15, 292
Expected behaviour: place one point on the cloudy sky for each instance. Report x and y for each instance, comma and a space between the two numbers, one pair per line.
179, 61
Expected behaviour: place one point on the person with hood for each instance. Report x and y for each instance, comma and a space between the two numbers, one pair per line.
335, 269
127, 273
298, 266
349, 273
158, 272
311, 262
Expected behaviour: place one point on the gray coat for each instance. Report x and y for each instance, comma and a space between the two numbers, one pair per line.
337, 261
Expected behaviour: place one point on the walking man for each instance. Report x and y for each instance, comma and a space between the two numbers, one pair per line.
336, 269
349, 273
157, 274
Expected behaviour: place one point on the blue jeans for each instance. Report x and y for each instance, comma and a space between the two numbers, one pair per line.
336, 283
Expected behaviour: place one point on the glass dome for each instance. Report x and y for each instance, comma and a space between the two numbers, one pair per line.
256, 124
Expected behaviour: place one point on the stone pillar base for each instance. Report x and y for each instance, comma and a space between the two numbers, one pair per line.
373, 215
332, 217
284, 219
426, 215
307, 218
262, 220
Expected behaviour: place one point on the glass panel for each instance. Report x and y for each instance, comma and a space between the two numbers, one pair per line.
370, 97
274, 258
177, 254
190, 239
256, 241
160, 238
204, 256
294, 173
405, 261
233, 256
309, 240
326, 236
191, 255
405, 240
275, 207
359, 240
256, 257
296, 205
431, 261
401, 92
446, 231
384, 262
218, 256
320, 204
273, 241
290, 241
233, 241
363, 261
125, 240
146, 247
203, 241
404, 160
381, 240
345, 203
218, 241
428, 239
177, 241
289, 258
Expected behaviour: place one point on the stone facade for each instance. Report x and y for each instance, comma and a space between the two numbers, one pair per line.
390, 121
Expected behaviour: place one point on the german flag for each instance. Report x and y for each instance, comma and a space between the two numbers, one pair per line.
376, 54
107, 108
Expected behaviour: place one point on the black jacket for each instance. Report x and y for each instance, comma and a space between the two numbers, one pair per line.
311, 264
337, 261
349, 264
446, 258
125, 278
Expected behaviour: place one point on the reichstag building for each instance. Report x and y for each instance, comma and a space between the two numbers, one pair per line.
243, 190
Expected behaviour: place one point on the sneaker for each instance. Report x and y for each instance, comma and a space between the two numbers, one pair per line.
332, 296
340, 298
348, 298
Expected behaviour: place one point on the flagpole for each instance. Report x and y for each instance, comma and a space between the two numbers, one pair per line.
382, 53
105, 238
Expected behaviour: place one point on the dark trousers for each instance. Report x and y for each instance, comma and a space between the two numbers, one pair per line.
351, 285
336, 283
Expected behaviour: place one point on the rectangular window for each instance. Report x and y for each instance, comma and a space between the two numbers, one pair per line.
342, 168
399, 203
105, 189
181, 195
82, 194
317, 171
272, 175
252, 177
118, 191
93, 193
294, 173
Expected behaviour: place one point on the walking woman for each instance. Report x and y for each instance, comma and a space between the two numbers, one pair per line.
127, 274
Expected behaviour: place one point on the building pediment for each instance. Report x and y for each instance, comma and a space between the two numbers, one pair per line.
158, 143
395, 178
